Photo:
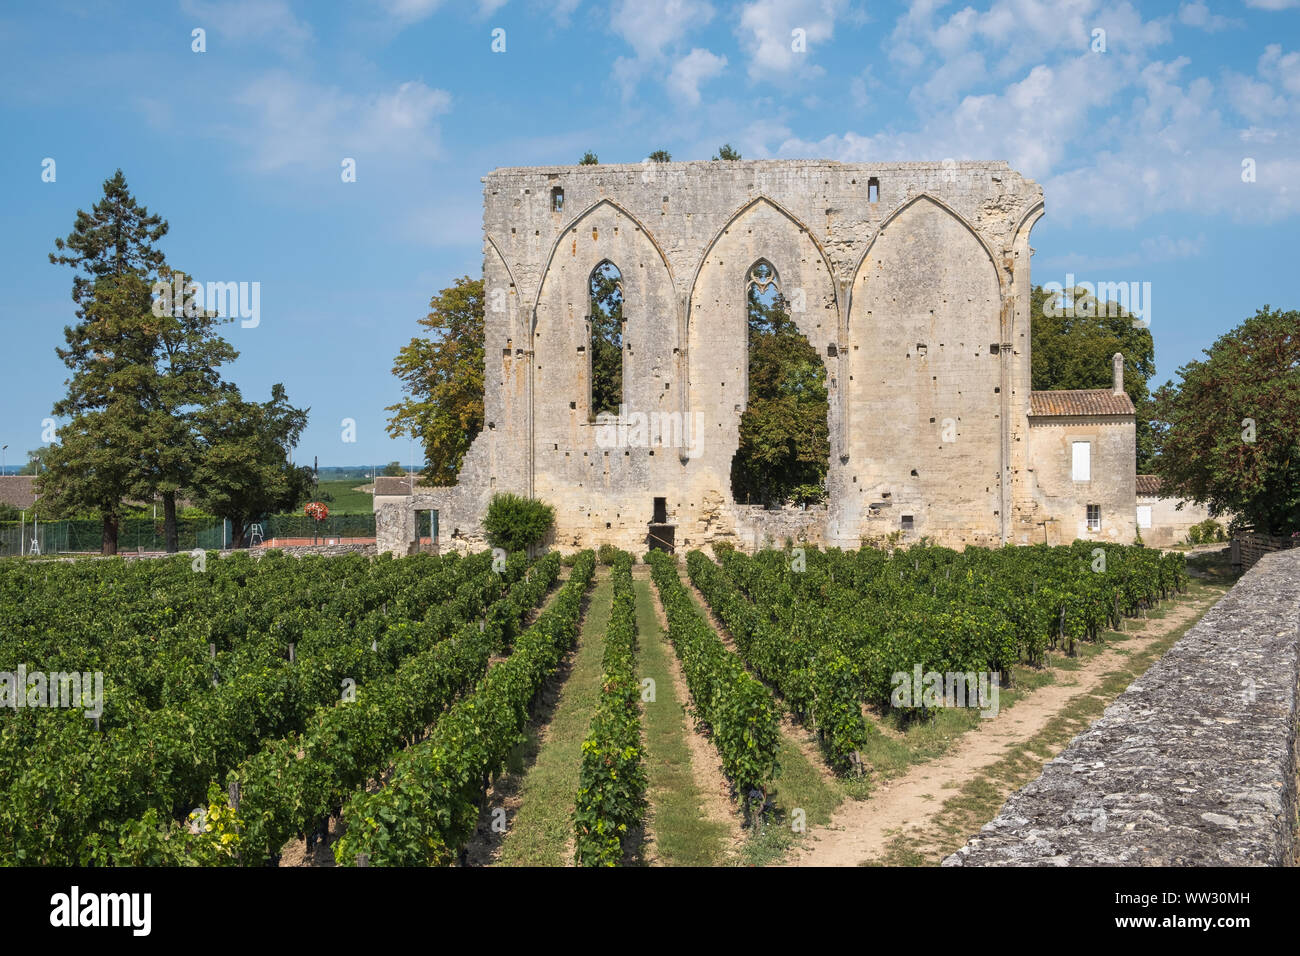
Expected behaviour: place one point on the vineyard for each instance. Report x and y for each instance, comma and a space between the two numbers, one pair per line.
828, 631
375, 704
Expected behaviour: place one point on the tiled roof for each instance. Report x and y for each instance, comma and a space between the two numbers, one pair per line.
17, 490
386, 485
1079, 401
1148, 485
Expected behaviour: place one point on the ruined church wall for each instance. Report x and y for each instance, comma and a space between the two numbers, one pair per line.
933, 260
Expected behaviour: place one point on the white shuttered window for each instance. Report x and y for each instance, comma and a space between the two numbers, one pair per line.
1082, 461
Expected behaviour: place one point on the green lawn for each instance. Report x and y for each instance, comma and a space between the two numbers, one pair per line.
346, 501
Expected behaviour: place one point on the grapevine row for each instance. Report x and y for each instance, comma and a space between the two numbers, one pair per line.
611, 799
429, 808
291, 784
735, 706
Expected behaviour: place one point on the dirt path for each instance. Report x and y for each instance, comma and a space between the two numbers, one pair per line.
860, 829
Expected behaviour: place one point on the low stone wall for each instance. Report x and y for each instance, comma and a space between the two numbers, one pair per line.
1249, 548
757, 527
297, 551
1193, 765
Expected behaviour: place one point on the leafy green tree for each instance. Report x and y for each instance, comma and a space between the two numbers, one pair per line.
784, 449
588, 159
183, 379
394, 469
727, 153
661, 156
1075, 350
606, 339
112, 250
1228, 434
443, 378
244, 469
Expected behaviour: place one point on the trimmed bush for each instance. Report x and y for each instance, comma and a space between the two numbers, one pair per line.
516, 523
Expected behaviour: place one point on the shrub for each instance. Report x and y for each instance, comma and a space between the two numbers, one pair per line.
607, 554
1206, 532
516, 523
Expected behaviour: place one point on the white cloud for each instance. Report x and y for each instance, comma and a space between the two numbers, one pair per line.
1273, 4
1280, 68
1156, 249
1198, 15
652, 31
1114, 137
298, 123
1030, 124
270, 20
860, 88
1163, 248
690, 71
562, 10
410, 11
1252, 99
648, 28
766, 29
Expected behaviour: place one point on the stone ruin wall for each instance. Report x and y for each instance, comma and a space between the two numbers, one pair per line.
918, 304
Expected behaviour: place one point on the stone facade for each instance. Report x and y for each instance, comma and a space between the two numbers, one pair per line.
911, 280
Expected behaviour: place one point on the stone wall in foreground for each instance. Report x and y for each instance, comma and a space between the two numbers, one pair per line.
1193, 765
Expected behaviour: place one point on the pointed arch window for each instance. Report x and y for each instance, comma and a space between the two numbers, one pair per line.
784, 442
765, 310
605, 340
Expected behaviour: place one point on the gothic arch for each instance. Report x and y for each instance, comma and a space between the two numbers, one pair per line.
732, 220
572, 226
908, 204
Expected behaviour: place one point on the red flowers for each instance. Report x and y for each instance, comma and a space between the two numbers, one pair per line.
317, 510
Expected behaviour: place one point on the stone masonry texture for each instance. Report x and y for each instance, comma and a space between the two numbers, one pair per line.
910, 280
1193, 765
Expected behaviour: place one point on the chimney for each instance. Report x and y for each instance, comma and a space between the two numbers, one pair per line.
1117, 364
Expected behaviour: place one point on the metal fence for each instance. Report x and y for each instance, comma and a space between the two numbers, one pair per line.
135, 535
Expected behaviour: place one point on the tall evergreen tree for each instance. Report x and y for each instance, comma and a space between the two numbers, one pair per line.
183, 379
112, 249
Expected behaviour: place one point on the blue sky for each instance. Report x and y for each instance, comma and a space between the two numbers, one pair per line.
1139, 148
